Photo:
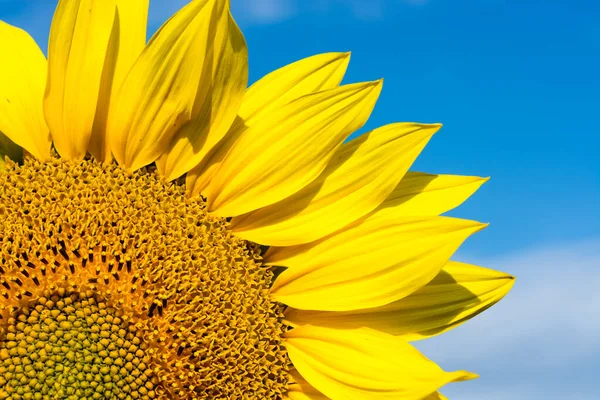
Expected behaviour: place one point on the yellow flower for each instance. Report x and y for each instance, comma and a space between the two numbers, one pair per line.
235, 247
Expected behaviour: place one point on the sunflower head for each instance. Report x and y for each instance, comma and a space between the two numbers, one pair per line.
114, 283
167, 233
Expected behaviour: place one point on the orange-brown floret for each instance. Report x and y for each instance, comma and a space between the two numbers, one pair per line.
114, 285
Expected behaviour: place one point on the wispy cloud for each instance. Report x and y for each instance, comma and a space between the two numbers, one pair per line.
247, 12
374, 9
264, 11
269, 11
546, 327
35, 18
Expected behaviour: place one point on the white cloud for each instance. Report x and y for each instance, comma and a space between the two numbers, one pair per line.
264, 11
362, 9
245, 11
269, 11
36, 17
519, 392
547, 326
555, 297
374, 9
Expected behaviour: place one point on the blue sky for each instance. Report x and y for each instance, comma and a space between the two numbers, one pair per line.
515, 83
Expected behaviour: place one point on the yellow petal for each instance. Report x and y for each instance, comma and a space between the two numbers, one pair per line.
426, 194
225, 78
165, 88
78, 46
363, 364
281, 154
133, 22
22, 82
435, 396
309, 75
127, 41
458, 293
198, 178
373, 262
360, 176
300, 389
9, 149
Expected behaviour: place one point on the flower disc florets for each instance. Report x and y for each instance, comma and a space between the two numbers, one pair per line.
114, 285
72, 345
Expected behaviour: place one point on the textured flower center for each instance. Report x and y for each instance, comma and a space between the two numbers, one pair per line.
74, 346
114, 285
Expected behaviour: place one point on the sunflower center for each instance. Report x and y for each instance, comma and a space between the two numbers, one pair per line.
73, 345
114, 285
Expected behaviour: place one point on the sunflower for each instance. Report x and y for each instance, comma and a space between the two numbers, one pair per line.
166, 233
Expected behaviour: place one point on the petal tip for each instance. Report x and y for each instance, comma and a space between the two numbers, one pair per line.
479, 226
460, 376
509, 282
344, 55
510, 279
433, 128
471, 225
341, 57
